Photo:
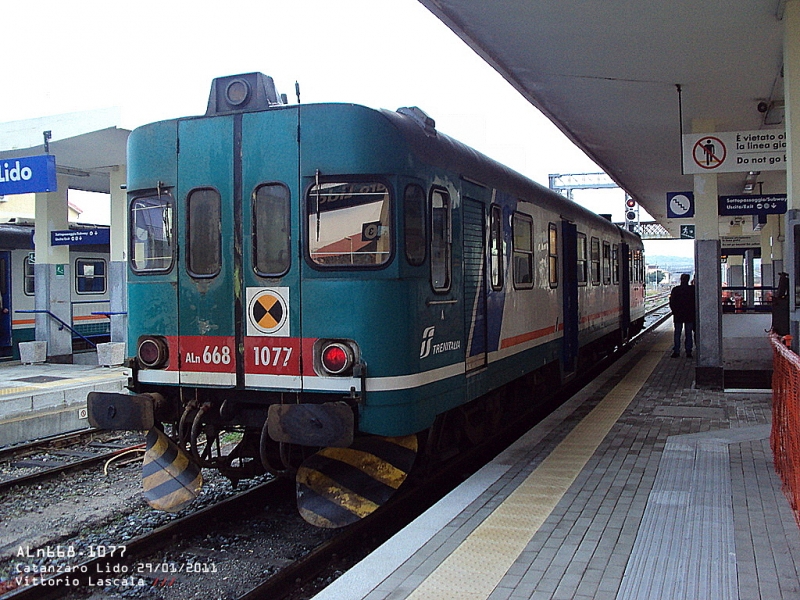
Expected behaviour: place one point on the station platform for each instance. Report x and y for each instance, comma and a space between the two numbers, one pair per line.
42, 400
640, 487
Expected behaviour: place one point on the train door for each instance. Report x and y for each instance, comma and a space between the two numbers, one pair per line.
625, 289
475, 325
569, 351
270, 252
5, 301
209, 296
238, 282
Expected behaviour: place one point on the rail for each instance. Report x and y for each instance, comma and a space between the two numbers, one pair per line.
62, 323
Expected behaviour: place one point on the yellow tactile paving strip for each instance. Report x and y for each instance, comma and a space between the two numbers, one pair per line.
475, 568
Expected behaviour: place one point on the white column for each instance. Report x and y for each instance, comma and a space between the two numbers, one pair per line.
708, 279
118, 270
53, 274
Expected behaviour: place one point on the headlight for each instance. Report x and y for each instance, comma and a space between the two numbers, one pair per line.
152, 352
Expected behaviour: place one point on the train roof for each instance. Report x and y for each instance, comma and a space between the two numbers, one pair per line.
436, 148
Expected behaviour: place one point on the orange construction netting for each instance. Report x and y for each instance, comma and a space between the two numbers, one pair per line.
785, 436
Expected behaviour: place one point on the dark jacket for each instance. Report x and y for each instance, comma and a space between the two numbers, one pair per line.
681, 302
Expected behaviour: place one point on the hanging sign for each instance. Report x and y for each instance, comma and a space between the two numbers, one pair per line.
734, 151
749, 204
28, 174
680, 205
80, 237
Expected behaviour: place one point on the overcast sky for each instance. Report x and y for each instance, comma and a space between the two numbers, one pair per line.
155, 60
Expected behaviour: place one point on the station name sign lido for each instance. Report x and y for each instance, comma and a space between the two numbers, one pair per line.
734, 151
28, 174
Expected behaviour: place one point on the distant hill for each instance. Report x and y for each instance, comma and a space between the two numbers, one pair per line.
672, 264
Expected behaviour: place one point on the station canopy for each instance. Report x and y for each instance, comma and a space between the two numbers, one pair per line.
606, 73
87, 145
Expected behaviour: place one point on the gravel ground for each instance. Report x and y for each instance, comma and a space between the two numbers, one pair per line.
74, 515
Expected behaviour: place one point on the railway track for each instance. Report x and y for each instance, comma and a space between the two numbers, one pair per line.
47, 458
293, 580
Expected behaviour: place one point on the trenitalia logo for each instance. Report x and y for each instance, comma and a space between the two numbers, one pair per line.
28, 174
427, 339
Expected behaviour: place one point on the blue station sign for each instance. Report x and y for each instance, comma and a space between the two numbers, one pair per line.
748, 204
28, 174
81, 237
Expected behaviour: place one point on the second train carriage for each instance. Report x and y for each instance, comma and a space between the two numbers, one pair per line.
89, 289
313, 276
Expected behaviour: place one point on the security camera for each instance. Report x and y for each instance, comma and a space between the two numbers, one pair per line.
763, 107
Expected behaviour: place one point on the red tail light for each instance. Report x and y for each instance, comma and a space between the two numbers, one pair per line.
336, 358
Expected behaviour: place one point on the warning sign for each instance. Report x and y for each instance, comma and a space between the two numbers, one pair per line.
709, 152
267, 311
734, 151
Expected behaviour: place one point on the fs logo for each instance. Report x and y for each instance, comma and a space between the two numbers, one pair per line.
427, 339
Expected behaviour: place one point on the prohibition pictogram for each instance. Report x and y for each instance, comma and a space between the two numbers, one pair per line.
709, 152
268, 311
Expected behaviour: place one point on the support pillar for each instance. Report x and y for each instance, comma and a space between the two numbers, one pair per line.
708, 280
791, 82
118, 269
53, 274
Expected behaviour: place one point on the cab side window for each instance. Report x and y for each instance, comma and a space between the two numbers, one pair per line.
414, 232
441, 240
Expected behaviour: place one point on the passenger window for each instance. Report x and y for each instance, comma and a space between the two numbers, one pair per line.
29, 288
615, 264
414, 231
522, 226
349, 224
90, 276
204, 247
606, 263
271, 211
595, 261
496, 246
552, 254
151, 234
582, 259
441, 240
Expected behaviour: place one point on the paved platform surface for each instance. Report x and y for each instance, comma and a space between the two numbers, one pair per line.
640, 487
45, 399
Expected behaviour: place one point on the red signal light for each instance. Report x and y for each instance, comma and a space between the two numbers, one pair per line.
630, 203
336, 358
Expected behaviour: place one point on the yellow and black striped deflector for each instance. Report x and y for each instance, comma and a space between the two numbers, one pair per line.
170, 479
339, 486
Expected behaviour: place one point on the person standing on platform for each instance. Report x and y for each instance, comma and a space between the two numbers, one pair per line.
681, 303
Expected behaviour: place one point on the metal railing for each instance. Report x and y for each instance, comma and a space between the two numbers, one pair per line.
62, 323
747, 299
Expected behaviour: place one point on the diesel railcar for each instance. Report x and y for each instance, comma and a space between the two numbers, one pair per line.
327, 291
